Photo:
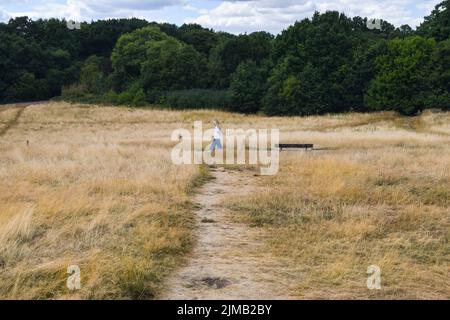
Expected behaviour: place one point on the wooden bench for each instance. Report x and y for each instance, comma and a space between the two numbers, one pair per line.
294, 146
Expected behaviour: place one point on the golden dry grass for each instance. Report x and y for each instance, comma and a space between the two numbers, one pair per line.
96, 188
382, 197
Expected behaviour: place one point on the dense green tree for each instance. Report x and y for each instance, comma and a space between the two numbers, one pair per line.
54, 34
440, 77
228, 54
402, 77
23, 27
406, 30
100, 37
325, 44
130, 53
158, 61
12, 57
437, 24
92, 77
59, 70
28, 88
171, 65
328, 63
168, 28
293, 92
203, 40
247, 87
352, 80
22, 63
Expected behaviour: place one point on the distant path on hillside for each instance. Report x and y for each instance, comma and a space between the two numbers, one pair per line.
20, 109
13, 121
228, 261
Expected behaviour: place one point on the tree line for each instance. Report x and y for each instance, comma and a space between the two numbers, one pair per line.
328, 63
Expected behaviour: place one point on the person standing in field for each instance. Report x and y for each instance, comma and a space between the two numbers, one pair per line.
217, 137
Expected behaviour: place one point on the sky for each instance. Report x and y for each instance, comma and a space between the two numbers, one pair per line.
235, 16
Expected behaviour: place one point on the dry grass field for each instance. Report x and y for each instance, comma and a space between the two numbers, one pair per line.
381, 197
95, 187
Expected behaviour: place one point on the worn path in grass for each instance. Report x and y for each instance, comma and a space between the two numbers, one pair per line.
20, 107
13, 121
228, 260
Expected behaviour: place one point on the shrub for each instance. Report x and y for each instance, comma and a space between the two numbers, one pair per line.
27, 87
134, 96
125, 98
73, 91
439, 100
198, 99
111, 97
92, 77
139, 99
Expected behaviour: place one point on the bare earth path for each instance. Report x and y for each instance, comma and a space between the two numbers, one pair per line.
228, 261
20, 107
12, 122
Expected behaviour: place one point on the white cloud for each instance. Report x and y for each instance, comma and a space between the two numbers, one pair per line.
235, 16
93, 9
102, 6
4, 16
274, 15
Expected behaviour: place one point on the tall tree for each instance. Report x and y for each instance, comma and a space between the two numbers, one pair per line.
228, 54
158, 61
247, 87
130, 53
437, 24
402, 77
203, 40
440, 76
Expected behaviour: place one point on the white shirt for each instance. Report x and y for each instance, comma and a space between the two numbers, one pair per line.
217, 133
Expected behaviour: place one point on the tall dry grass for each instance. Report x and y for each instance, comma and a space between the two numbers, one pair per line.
380, 196
96, 188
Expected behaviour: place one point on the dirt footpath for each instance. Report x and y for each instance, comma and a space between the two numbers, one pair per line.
228, 261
